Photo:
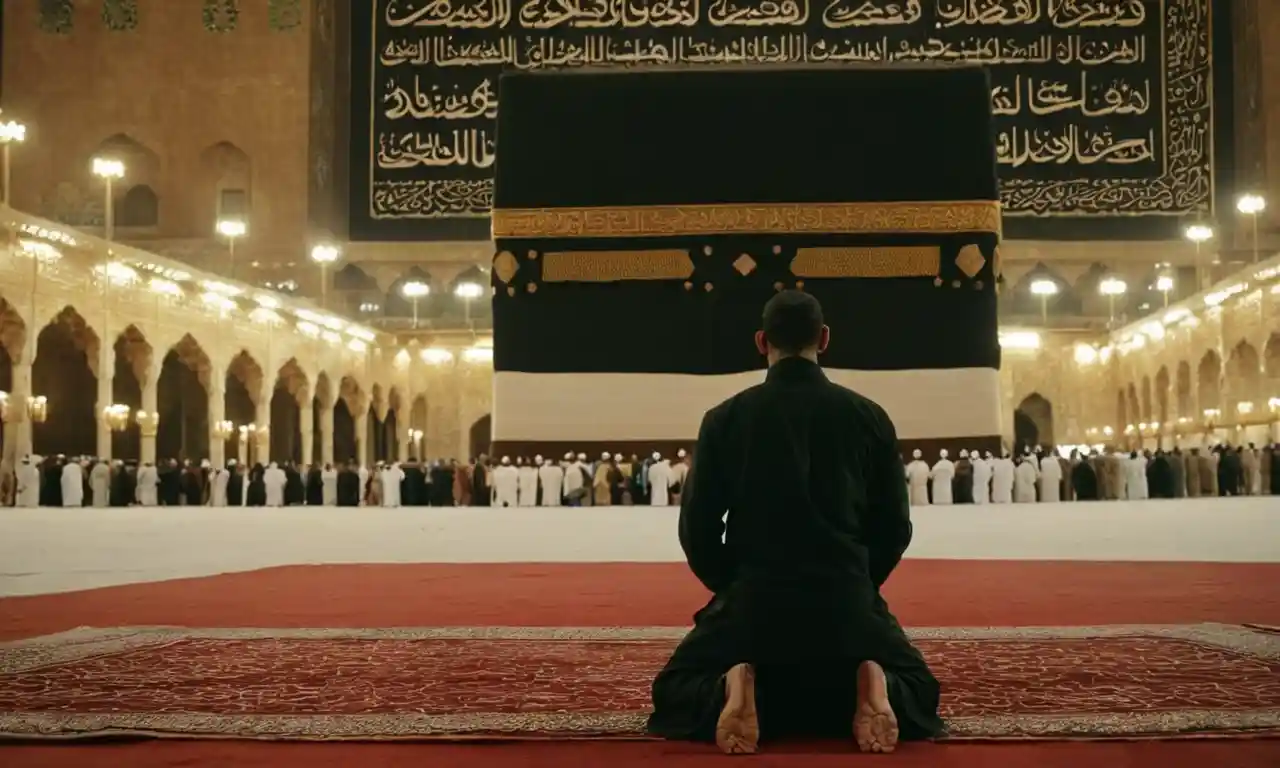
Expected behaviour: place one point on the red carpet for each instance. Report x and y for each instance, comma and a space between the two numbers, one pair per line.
574, 683
923, 593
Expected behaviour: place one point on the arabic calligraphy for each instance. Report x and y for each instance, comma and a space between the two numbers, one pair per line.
1098, 103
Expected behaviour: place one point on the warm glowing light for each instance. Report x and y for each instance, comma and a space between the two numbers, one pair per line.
218, 301
265, 316
331, 337
1020, 340
267, 302
39, 250
308, 328
1086, 354
222, 289
325, 254
436, 356
1174, 315
1108, 431
116, 272
12, 132
116, 416
358, 346
415, 289
108, 168
1104, 354
364, 334
1244, 408
478, 354
468, 290
1112, 286
223, 429
1164, 283
1198, 233
1251, 205
166, 287
232, 228
1044, 288
1153, 330
1273, 404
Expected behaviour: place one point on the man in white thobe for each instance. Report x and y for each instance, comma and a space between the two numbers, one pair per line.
1135, 476
391, 475
1050, 478
73, 485
329, 485
1002, 479
940, 477
981, 478
528, 482
273, 480
148, 479
918, 479
218, 487
551, 478
27, 480
679, 472
574, 481
100, 484
1024, 480
506, 484
660, 477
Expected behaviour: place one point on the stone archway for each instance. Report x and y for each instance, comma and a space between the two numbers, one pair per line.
375, 433
394, 425
350, 401
64, 373
243, 386
1209, 382
418, 420
1132, 406
1185, 399
182, 402
133, 359
1147, 418
290, 392
1244, 377
321, 403
1122, 411
1162, 396
481, 435
1271, 364
1034, 417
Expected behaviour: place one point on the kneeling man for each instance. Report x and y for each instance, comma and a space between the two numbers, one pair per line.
797, 640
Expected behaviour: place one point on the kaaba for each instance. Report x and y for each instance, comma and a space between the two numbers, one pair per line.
642, 218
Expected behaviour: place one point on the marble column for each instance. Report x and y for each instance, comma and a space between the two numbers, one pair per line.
262, 417
362, 437
306, 417
106, 372
326, 434
217, 413
150, 400
18, 435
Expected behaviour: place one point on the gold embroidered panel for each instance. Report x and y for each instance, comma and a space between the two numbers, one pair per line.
904, 261
615, 266
750, 218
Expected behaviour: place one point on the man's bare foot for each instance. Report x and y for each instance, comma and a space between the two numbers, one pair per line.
738, 729
874, 725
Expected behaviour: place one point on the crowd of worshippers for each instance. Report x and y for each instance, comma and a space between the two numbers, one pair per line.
1039, 475
59, 481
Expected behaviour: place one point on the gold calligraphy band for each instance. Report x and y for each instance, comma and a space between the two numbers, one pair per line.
906, 261
614, 266
932, 218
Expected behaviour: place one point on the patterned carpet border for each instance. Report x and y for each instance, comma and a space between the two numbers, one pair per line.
85, 643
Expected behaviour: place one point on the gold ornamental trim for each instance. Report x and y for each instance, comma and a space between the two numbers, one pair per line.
615, 266
936, 218
897, 261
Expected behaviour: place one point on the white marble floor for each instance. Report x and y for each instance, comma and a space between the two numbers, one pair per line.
57, 550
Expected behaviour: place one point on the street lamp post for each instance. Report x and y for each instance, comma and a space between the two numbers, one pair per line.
1199, 234
232, 229
413, 291
1251, 206
11, 132
1111, 288
1044, 289
324, 255
1164, 284
467, 291
109, 171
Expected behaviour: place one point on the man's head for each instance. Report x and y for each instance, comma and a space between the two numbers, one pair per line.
792, 327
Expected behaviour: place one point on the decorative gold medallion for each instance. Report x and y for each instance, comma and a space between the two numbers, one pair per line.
970, 261
505, 266
744, 264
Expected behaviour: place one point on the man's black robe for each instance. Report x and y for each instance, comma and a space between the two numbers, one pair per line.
1160, 478
315, 487
441, 486
414, 491
962, 483
170, 486
480, 485
1084, 482
256, 493
348, 488
51, 484
294, 493
817, 520
235, 487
